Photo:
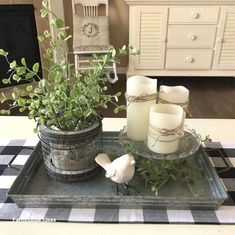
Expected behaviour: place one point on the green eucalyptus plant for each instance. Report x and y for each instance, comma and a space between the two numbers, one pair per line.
63, 100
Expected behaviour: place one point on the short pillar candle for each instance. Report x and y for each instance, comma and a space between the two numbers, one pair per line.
141, 94
165, 128
174, 95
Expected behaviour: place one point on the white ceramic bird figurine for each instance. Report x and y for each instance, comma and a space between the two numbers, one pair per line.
121, 170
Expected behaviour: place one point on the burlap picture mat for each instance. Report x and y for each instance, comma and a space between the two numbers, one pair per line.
90, 31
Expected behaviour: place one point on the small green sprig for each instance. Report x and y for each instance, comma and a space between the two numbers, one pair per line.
158, 173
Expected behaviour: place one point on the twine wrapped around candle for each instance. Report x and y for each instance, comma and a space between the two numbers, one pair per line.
183, 105
163, 132
141, 98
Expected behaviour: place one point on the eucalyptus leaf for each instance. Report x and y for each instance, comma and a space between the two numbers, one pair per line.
14, 96
2, 99
29, 88
21, 102
57, 23
23, 62
35, 130
3, 111
41, 38
122, 107
47, 34
5, 81
116, 110
30, 75
44, 13
16, 77
36, 67
42, 83
116, 98
45, 3
118, 94
2, 52
74, 92
124, 48
37, 90
22, 109
62, 35
21, 71
13, 64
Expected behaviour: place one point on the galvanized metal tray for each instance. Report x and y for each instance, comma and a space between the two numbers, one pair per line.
34, 188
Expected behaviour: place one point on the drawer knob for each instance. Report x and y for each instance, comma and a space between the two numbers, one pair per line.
193, 37
196, 15
190, 59
221, 40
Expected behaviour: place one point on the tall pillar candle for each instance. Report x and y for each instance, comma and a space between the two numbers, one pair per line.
164, 128
141, 94
174, 95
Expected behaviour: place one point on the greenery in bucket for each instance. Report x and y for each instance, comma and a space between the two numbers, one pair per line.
63, 100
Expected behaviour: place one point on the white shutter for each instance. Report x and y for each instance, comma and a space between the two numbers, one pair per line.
150, 37
225, 45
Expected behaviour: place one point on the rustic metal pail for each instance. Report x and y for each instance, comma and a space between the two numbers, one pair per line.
70, 155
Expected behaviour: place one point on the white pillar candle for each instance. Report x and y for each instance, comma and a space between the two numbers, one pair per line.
174, 95
137, 108
164, 128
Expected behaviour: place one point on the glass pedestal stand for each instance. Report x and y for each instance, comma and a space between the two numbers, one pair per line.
188, 145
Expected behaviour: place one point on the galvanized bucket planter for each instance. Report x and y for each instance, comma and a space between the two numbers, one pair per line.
70, 155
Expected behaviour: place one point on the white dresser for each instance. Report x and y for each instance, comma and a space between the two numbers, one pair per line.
182, 38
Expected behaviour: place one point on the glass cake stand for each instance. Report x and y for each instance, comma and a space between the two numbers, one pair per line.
188, 145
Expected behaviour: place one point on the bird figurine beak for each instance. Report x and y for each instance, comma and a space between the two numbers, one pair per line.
131, 159
132, 162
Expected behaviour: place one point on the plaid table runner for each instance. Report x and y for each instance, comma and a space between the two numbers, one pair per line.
10, 211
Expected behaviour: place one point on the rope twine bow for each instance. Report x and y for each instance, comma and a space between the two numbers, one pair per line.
141, 98
183, 105
163, 132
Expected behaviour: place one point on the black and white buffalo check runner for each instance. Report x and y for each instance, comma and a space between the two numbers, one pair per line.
10, 211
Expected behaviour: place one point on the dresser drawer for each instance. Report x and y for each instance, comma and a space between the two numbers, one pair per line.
193, 15
191, 36
188, 59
